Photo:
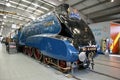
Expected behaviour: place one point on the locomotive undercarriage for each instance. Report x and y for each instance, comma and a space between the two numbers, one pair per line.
61, 65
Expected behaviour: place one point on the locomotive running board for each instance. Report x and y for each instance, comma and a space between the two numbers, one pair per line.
60, 68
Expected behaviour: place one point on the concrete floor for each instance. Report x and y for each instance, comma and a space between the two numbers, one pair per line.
17, 66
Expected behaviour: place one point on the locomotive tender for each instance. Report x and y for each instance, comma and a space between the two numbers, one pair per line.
56, 39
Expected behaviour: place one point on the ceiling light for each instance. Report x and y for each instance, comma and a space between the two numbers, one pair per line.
14, 26
39, 11
36, 5
60, 0
8, 4
32, 17
23, 5
20, 8
1, 29
44, 8
2, 26
20, 18
31, 8
12, 30
5, 16
112, 0
13, 6
26, 1
3, 23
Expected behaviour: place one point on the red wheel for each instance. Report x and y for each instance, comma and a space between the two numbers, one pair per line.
25, 50
62, 64
37, 54
29, 51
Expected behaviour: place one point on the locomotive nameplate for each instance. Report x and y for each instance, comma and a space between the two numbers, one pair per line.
91, 48
47, 24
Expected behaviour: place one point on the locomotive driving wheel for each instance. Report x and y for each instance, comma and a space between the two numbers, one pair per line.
25, 50
29, 51
62, 65
37, 54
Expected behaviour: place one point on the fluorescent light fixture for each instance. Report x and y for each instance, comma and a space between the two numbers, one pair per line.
15, 17
3, 23
32, 17
26, 1
14, 26
112, 0
1, 29
12, 30
60, 0
39, 11
8, 4
44, 8
13, 2
23, 5
31, 8
13, 6
36, 13
2, 26
28, 11
5, 16
20, 18
36, 5
20, 8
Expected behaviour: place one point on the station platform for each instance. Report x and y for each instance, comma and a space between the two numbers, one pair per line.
17, 66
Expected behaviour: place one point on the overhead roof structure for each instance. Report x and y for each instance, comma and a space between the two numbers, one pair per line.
22, 11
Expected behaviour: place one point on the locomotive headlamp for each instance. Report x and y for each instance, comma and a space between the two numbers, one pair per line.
82, 56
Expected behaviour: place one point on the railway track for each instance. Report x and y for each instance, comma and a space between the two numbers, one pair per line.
105, 74
107, 65
99, 73
76, 78
108, 61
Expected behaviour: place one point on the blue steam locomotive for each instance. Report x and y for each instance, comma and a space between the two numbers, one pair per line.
57, 39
